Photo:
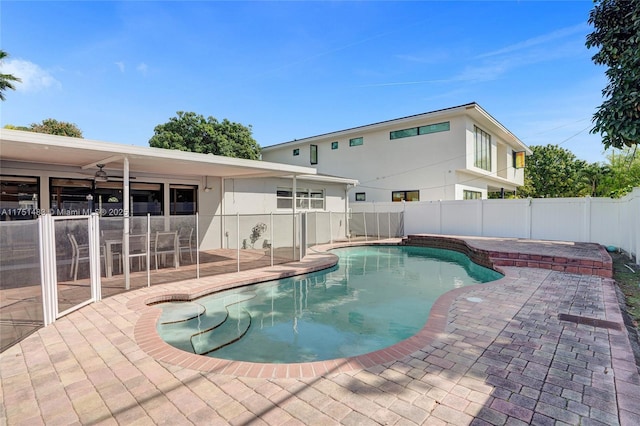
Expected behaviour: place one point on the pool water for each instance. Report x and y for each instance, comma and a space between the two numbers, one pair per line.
373, 298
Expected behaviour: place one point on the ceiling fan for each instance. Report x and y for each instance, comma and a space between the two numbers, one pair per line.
101, 175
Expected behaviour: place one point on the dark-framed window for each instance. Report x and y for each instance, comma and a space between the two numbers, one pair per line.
356, 141
334, 145
19, 198
471, 195
183, 199
296, 152
313, 154
404, 133
482, 158
413, 195
69, 196
361, 196
422, 130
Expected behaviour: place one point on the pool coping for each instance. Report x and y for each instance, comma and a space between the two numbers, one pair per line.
319, 257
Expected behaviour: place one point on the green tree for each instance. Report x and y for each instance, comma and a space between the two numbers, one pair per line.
617, 35
55, 127
592, 180
193, 132
6, 80
624, 173
551, 172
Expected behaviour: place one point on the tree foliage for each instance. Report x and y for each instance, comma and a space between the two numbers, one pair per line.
555, 172
624, 172
55, 127
551, 172
193, 132
6, 80
617, 35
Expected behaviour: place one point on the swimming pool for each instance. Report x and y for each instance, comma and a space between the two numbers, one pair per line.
373, 298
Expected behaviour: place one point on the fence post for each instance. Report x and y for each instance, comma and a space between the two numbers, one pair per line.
364, 216
529, 218
587, 219
272, 236
481, 216
94, 257
303, 234
238, 240
197, 246
48, 266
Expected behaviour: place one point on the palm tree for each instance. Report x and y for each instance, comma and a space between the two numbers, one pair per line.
6, 80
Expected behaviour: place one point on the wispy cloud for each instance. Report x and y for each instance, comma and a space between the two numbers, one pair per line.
539, 40
120, 66
142, 68
493, 65
34, 78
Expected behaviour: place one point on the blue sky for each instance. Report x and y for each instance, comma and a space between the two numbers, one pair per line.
298, 69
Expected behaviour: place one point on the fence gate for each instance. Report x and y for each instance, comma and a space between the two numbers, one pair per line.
70, 263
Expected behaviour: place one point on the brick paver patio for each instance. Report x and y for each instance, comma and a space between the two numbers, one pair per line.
526, 349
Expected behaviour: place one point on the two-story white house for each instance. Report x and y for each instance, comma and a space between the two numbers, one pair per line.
449, 154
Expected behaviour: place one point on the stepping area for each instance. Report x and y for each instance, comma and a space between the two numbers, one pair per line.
544, 345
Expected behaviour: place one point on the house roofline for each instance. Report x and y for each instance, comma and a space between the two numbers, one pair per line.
444, 111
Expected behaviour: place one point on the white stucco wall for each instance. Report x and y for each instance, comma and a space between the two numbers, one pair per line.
258, 196
433, 163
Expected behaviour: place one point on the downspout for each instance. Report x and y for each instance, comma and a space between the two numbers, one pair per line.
346, 210
222, 212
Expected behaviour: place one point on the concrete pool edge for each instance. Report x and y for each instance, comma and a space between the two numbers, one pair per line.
148, 339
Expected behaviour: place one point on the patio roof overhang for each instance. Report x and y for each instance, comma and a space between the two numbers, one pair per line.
86, 154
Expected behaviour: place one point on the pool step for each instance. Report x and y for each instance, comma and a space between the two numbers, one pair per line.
178, 334
232, 329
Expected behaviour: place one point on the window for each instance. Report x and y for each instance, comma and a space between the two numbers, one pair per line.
146, 198
519, 159
356, 141
423, 130
306, 199
69, 196
18, 198
482, 149
471, 195
397, 134
183, 199
405, 196
334, 145
434, 128
361, 196
296, 152
313, 154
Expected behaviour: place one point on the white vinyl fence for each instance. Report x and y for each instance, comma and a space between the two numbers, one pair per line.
610, 222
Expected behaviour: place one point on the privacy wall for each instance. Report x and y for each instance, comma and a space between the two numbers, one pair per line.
610, 222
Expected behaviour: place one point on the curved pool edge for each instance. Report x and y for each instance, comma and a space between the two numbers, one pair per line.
149, 341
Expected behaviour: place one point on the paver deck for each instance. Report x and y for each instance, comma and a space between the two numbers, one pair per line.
515, 351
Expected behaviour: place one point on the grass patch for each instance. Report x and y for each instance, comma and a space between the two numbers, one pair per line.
629, 283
